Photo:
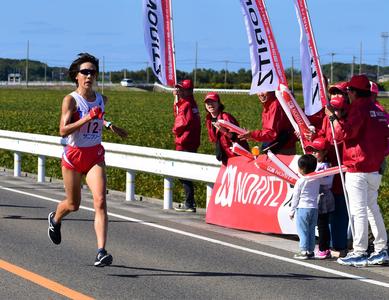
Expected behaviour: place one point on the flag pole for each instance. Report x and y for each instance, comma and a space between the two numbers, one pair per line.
174, 53
318, 69
173, 45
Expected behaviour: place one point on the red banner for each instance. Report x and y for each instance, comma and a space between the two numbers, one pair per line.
249, 198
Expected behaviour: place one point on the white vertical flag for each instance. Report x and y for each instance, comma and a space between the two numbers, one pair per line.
266, 66
311, 73
158, 36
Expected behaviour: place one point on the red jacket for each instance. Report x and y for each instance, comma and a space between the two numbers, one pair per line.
326, 132
275, 125
187, 126
365, 134
225, 141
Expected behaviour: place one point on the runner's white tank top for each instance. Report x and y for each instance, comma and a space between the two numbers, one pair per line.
90, 134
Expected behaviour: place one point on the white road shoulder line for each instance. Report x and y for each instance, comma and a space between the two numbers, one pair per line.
215, 241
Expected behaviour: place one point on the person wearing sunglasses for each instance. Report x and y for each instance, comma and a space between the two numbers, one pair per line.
82, 122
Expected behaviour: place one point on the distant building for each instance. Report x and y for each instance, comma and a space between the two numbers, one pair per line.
14, 77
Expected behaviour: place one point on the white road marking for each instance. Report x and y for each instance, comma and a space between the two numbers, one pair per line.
218, 242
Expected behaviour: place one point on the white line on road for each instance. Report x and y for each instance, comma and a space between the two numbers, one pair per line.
215, 241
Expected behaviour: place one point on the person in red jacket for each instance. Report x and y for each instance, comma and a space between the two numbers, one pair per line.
218, 135
365, 135
277, 132
186, 129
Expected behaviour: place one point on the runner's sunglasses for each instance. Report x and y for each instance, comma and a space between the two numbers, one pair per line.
87, 72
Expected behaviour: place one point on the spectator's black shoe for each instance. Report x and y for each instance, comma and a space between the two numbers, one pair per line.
183, 208
103, 259
54, 231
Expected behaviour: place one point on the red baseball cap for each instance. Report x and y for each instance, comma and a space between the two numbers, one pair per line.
317, 144
374, 88
186, 84
213, 96
359, 82
339, 86
338, 102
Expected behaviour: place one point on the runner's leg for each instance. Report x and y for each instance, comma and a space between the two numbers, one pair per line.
96, 180
72, 183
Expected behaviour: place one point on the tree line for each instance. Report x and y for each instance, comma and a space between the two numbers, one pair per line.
241, 79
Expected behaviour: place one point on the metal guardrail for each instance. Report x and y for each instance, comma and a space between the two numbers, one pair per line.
167, 163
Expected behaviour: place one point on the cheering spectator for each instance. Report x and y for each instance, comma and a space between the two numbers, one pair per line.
186, 130
217, 134
365, 134
304, 206
277, 132
326, 202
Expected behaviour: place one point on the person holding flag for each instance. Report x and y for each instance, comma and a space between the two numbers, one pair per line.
220, 136
365, 135
277, 133
186, 130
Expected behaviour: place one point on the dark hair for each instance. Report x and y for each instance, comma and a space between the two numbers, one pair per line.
82, 58
221, 107
360, 93
307, 163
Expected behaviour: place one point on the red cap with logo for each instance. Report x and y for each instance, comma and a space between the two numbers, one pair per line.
213, 96
186, 84
359, 82
338, 102
317, 144
338, 87
374, 88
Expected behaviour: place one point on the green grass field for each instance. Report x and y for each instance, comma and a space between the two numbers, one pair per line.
147, 116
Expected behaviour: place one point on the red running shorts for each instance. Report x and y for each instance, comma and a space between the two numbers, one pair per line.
82, 159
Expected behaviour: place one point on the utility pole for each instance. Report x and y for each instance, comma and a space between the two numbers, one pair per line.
45, 72
195, 67
147, 72
102, 77
292, 74
360, 59
378, 69
352, 66
225, 74
28, 54
332, 67
384, 36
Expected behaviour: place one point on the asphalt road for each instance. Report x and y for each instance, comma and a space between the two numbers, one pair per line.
157, 255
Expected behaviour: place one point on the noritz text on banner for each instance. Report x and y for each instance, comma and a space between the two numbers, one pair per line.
266, 65
311, 73
158, 38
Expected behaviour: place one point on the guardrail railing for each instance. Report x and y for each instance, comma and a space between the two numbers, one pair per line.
167, 163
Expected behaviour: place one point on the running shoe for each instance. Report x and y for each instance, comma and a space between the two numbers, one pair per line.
353, 259
54, 231
103, 259
323, 254
378, 258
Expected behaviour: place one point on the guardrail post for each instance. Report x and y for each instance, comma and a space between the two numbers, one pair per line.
130, 185
209, 193
17, 164
41, 168
167, 193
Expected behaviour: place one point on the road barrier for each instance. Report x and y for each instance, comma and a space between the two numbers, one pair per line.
167, 163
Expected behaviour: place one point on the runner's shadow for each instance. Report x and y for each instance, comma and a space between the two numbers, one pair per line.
20, 206
172, 273
18, 217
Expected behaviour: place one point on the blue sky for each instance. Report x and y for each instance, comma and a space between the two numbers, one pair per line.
58, 30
